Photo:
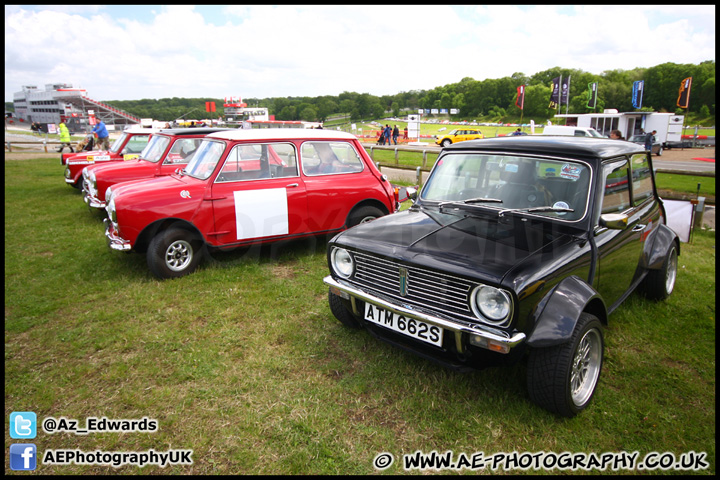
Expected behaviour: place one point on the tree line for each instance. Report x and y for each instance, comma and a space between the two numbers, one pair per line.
492, 99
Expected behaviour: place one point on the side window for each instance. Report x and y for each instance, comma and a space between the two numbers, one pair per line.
616, 194
252, 161
326, 158
182, 151
642, 183
580, 133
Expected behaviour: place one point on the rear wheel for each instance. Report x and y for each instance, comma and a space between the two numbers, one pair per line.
659, 284
174, 253
363, 215
563, 378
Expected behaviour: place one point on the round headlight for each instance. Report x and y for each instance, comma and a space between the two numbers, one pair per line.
491, 304
342, 262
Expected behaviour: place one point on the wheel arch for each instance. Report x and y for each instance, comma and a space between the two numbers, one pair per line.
158, 226
368, 202
657, 246
561, 309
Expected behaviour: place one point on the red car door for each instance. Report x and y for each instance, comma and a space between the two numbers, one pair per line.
258, 195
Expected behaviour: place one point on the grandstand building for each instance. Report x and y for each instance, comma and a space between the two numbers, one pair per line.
61, 102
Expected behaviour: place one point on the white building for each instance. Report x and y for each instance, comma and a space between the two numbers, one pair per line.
60, 101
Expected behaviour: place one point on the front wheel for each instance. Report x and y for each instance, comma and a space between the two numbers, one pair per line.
340, 312
174, 253
563, 378
446, 143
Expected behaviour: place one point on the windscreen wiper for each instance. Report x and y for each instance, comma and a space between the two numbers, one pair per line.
536, 210
470, 201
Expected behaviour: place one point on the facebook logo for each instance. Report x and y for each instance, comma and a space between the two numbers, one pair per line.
23, 456
23, 425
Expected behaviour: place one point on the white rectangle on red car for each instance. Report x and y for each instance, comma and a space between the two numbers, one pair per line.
261, 213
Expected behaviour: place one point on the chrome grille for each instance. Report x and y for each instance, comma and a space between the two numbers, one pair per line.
426, 289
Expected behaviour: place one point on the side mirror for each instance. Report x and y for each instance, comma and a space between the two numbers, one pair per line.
614, 221
412, 193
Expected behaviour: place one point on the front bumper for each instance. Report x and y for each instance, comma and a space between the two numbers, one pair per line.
93, 201
114, 241
476, 334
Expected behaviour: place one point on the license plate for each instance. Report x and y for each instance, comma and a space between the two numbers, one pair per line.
407, 326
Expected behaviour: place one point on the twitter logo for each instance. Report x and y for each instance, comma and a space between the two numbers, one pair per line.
23, 425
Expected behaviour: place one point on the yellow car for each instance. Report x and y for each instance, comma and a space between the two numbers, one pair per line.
459, 135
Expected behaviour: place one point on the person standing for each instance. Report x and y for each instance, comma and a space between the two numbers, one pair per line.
405, 133
103, 142
649, 140
64, 138
388, 133
395, 134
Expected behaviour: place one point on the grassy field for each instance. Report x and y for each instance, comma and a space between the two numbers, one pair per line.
243, 363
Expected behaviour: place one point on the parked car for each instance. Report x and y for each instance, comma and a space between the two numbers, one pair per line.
244, 187
516, 246
166, 151
126, 147
657, 147
459, 135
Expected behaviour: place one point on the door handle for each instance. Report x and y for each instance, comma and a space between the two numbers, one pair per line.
292, 185
639, 228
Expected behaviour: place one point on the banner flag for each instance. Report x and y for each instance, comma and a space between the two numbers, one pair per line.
520, 101
684, 95
592, 95
555, 93
565, 97
637, 93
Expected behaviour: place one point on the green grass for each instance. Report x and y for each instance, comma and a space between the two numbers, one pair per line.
243, 363
687, 184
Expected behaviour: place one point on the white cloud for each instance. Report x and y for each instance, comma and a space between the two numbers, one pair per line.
290, 50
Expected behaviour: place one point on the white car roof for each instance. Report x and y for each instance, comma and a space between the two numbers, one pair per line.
137, 129
282, 133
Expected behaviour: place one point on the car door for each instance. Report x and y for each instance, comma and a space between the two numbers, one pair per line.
258, 195
620, 249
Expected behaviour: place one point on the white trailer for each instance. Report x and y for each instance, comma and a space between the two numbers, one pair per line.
668, 125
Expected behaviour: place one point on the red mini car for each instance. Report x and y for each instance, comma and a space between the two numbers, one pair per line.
244, 187
127, 147
167, 151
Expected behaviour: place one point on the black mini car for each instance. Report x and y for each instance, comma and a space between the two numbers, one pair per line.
515, 246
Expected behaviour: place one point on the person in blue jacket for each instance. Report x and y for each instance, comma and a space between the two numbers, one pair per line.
103, 142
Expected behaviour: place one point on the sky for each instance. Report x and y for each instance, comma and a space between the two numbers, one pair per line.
133, 52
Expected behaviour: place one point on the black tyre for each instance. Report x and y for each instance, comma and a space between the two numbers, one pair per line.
446, 143
174, 253
341, 312
363, 215
563, 378
659, 284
